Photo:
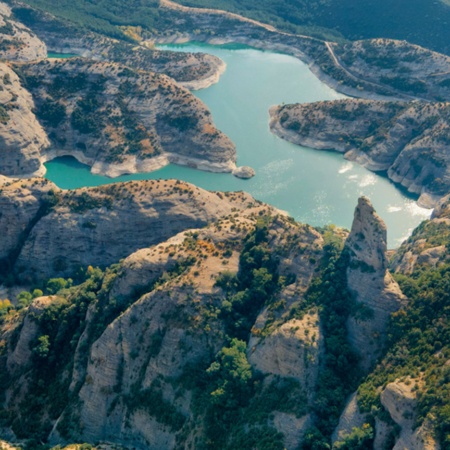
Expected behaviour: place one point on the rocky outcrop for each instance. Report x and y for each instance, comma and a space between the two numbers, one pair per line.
19, 358
350, 418
244, 172
375, 292
18, 43
400, 400
293, 350
83, 228
22, 138
113, 118
408, 140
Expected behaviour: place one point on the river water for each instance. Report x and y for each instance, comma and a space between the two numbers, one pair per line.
313, 186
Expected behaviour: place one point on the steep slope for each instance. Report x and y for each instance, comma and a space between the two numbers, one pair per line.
22, 137
376, 293
144, 341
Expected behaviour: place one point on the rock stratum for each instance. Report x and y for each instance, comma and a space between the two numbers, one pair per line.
409, 141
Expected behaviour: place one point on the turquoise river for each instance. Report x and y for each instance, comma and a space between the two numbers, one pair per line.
313, 186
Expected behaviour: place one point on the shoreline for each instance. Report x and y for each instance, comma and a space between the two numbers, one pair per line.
424, 200
131, 165
287, 49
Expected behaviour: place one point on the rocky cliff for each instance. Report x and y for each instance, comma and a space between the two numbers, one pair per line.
408, 140
376, 293
142, 344
22, 137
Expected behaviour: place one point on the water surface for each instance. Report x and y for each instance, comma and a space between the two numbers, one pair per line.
313, 186
52, 55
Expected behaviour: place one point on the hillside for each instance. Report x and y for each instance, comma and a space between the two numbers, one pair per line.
420, 22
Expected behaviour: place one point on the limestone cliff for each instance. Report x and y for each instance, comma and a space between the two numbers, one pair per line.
408, 140
376, 293
22, 137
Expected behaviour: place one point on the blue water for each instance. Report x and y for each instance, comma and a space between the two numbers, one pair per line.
313, 186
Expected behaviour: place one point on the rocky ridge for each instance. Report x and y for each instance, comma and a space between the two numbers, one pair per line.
53, 232
192, 70
151, 292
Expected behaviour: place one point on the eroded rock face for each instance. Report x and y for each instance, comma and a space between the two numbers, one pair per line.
400, 400
22, 203
292, 350
20, 357
83, 228
350, 418
22, 138
376, 293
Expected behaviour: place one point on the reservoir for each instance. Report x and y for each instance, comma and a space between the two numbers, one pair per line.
313, 186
